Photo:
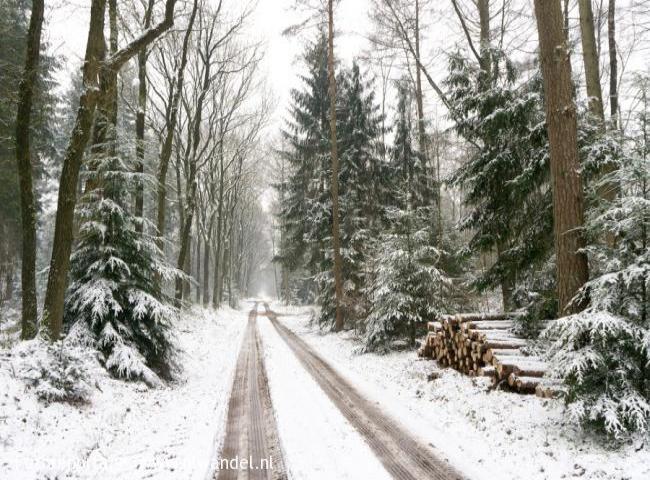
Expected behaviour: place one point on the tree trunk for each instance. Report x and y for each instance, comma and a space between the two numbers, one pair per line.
590, 58
166, 149
336, 241
507, 283
484, 20
62, 243
198, 269
24, 163
140, 122
217, 256
206, 272
572, 268
613, 63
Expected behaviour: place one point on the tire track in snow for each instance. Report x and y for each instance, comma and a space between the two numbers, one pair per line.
401, 454
251, 432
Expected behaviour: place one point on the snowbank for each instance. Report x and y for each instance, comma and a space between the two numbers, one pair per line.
127, 430
487, 435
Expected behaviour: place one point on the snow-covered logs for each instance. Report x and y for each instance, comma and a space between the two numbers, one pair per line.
480, 344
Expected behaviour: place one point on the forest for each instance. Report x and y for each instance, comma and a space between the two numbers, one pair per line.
384, 171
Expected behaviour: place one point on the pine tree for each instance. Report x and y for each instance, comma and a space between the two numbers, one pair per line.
360, 179
504, 120
303, 215
115, 294
407, 285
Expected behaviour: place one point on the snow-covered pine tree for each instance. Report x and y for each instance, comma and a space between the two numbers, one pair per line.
115, 299
304, 215
360, 182
603, 353
407, 287
503, 118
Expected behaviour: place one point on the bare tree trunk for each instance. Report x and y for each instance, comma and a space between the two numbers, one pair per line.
613, 63
166, 149
198, 269
336, 240
62, 244
24, 162
568, 213
140, 121
206, 272
590, 58
217, 257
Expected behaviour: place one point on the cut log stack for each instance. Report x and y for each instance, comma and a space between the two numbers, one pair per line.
479, 344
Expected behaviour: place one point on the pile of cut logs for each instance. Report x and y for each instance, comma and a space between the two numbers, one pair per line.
479, 344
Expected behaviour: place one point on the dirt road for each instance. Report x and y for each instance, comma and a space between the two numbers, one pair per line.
251, 447
404, 457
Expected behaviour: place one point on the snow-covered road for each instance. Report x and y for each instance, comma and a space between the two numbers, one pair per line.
318, 442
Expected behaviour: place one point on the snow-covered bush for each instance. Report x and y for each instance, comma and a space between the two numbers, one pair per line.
57, 373
117, 283
603, 353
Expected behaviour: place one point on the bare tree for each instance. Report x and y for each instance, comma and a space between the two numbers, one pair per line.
176, 82
141, 115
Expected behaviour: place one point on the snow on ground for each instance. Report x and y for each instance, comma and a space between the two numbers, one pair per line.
487, 435
317, 441
127, 430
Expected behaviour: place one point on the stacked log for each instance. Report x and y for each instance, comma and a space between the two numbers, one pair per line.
479, 344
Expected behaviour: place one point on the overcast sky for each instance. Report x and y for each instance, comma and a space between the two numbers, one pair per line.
67, 29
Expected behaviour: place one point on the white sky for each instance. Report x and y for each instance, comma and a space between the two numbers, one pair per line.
67, 24
67, 28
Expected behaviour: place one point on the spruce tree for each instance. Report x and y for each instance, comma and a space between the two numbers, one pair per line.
360, 181
304, 214
408, 287
504, 121
115, 295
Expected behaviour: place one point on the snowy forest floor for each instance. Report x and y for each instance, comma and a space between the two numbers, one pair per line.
486, 435
127, 430
130, 431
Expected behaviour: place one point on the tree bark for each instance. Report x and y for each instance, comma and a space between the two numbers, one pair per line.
613, 63
24, 163
62, 244
140, 122
336, 240
590, 58
572, 269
